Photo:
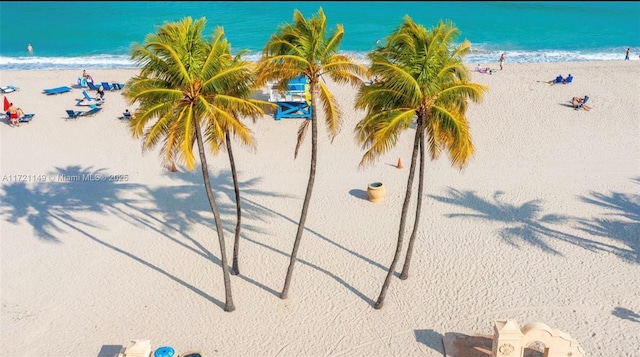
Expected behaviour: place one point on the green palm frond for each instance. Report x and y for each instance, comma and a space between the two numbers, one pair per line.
187, 80
331, 110
423, 77
379, 133
302, 132
307, 47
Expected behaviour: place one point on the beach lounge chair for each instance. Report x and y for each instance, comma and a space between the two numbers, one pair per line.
580, 103
26, 118
73, 114
112, 86
88, 100
93, 86
125, 115
569, 79
583, 105
107, 86
559, 79
8, 89
86, 95
57, 90
90, 112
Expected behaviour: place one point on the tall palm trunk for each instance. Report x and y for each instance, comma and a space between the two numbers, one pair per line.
403, 219
407, 260
307, 196
235, 269
228, 306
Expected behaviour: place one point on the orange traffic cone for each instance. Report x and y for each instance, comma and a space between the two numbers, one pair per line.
399, 163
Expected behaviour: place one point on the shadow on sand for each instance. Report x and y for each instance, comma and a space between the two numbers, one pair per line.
527, 224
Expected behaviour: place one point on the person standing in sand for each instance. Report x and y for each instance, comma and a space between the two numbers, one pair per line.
626, 56
501, 60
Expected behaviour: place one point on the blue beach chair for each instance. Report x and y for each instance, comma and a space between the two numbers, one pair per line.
569, 79
26, 118
112, 86
93, 86
88, 100
125, 115
90, 112
8, 89
73, 114
57, 90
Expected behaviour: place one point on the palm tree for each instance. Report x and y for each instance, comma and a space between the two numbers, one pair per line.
252, 112
305, 48
186, 94
423, 81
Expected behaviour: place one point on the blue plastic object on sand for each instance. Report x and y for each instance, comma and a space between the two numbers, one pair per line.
164, 351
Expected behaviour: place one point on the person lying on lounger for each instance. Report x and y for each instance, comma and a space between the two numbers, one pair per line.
580, 102
85, 102
486, 70
558, 79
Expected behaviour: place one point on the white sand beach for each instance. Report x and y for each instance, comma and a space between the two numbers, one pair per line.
542, 225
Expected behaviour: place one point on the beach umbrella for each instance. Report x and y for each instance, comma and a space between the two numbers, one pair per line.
6, 104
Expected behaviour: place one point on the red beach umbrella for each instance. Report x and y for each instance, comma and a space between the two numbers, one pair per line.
6, 104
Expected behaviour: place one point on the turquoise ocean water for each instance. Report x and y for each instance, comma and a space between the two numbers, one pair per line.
85, 35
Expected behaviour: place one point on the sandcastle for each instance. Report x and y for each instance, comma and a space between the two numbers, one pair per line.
511, 340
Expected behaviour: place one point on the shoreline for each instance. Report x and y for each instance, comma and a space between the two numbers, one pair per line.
117, 62
550, 199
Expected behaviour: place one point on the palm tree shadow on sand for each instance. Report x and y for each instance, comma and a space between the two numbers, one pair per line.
622, 224
252, 209
186, 205
51, 208
523, 223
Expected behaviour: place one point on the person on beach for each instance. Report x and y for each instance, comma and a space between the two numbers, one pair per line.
626, 56
99, 94
486, 70
581, 102
86, 75
559, 79
501, 60
13, 115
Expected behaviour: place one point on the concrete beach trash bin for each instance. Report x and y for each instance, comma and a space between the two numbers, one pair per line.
376, 191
